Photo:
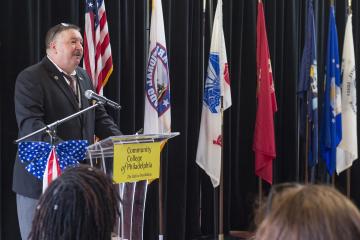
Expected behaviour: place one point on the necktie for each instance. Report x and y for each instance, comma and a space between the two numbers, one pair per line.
74, 87
72, 81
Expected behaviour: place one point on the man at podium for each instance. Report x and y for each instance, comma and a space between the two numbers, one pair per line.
49, 91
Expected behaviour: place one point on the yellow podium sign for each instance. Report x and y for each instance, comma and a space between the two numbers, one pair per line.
136, 162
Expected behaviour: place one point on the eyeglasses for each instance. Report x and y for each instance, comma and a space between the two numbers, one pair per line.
276, 190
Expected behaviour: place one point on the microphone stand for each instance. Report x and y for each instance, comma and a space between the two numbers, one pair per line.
51, 128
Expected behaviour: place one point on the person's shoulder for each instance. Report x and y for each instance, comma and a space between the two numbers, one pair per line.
33, 73
82, 72
32, 68
35, 68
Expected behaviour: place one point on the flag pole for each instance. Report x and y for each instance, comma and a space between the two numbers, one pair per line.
216, 190
260, 181
161, 212
211, 13
297, 160
203, 42
203, 84
260, 193
348, 171
307, 150
348, 182
297, 163
160, 191
221, 192
216, 215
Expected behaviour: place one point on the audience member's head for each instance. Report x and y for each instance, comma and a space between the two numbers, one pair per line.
309, 212
274, 198
81, 204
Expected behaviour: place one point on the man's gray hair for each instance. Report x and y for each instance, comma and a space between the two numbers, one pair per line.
55, 30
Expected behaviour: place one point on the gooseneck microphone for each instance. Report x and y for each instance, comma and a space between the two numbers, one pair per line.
91, 95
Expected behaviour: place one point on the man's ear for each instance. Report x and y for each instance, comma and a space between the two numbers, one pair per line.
52, 46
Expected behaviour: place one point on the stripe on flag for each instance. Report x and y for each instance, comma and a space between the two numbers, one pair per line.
52, 170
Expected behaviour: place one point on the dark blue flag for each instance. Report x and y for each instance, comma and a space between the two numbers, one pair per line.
331, 121
308, 88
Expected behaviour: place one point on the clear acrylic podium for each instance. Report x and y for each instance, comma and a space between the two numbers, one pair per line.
129, 226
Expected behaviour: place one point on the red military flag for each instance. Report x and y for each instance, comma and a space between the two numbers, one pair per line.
97, 50
264, 136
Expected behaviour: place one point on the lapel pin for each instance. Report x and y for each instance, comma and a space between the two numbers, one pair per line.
56, 77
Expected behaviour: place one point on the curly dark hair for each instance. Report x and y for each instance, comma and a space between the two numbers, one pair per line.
81, 204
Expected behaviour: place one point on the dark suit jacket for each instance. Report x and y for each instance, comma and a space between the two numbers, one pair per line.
42, 96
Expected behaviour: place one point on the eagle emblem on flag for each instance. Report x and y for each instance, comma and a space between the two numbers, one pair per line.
157, 85
212, 91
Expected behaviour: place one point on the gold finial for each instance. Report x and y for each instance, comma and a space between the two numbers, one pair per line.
349, 7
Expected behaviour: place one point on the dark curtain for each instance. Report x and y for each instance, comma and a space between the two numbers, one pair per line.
188, 196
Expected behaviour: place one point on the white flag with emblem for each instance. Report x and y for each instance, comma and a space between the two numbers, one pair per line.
217, 85
157, 117
347, 151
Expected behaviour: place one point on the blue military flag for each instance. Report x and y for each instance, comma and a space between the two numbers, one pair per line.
308, 88
331, 121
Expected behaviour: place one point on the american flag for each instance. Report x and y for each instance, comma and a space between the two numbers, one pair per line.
97, 50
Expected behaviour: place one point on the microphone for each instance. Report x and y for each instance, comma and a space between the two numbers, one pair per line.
91, 95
